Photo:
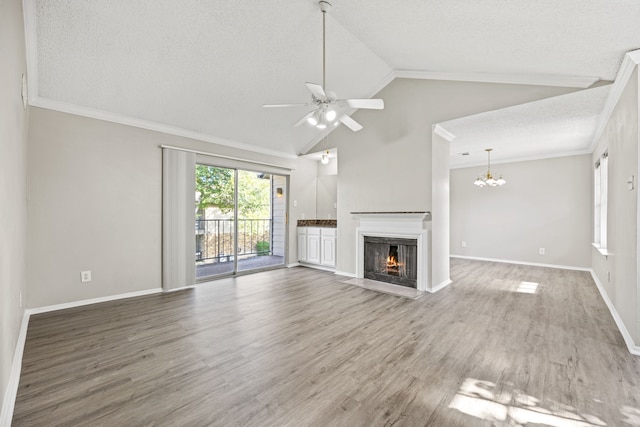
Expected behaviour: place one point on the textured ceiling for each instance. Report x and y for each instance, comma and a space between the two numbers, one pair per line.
207, 67
560, 125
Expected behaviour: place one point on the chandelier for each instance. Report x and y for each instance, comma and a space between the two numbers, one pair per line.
488, 178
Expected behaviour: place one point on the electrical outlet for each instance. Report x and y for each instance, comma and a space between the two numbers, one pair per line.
464, 244
541, 251
295, 203
85, 276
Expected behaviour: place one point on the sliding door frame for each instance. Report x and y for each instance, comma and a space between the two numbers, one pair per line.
211, 162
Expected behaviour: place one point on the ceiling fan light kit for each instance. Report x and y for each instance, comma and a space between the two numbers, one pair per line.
324, 159
328, 110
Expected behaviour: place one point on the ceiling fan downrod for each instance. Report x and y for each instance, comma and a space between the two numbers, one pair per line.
324, 8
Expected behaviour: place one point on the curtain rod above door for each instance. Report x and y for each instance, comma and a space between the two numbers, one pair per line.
222, 156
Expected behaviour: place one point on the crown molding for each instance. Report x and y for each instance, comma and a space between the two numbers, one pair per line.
31, 47
629, 62
158, 127
504, 78
440, 131
520, 159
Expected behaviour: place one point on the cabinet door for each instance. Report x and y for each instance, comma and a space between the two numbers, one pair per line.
328, 251
302, 246
313, 248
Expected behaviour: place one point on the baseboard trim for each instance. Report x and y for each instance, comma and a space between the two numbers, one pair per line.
628, 340
80, 303
8, 404
440, 286
344, 273
295, 264
533, 264
317, 266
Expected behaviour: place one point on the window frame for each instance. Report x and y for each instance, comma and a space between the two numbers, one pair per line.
600, 202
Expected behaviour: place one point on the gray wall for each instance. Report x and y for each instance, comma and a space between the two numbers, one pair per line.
303, 198
387, 166
327, 189
95, 204
620, 136
545, 204
13, 193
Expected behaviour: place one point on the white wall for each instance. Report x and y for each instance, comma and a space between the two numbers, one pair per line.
387, 166
545, 204
618, 272
440, 212
95, 204
13, 192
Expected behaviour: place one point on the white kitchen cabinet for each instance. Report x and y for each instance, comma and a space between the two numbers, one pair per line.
313, 245
328, 247
302, 244
317, 246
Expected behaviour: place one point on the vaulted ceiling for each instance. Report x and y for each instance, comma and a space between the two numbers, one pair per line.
204, 69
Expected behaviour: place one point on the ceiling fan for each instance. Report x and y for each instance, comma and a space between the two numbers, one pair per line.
328, 110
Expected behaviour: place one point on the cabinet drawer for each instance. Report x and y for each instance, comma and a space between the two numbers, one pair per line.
329, 232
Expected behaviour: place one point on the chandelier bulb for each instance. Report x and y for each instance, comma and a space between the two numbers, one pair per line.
488, 178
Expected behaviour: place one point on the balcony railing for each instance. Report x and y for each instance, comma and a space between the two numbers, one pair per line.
214, 238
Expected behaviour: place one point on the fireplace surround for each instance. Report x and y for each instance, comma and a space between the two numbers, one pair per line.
400, 227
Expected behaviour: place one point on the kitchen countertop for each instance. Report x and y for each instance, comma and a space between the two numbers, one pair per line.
329, 223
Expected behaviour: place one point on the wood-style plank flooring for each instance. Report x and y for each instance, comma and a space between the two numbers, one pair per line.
297, 347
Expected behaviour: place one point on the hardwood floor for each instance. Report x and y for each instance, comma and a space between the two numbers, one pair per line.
298, 347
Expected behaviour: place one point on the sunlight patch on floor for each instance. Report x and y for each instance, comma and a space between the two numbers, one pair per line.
527, 288
481, 399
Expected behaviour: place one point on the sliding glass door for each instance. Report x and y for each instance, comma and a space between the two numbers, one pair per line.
240, 221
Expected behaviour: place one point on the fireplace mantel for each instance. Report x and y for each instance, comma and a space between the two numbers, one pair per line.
393, 216
410, 225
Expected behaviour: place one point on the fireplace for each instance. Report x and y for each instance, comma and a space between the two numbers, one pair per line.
394, 238
391, 260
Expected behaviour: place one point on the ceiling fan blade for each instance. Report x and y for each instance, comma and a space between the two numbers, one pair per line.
304, 118
350, 123
317, 91
283, 105
374, 104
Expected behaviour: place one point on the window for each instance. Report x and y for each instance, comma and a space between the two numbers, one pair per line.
600, 180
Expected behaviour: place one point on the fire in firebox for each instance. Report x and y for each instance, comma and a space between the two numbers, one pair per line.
392, 265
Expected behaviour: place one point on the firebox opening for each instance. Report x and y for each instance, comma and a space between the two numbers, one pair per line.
391, 260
